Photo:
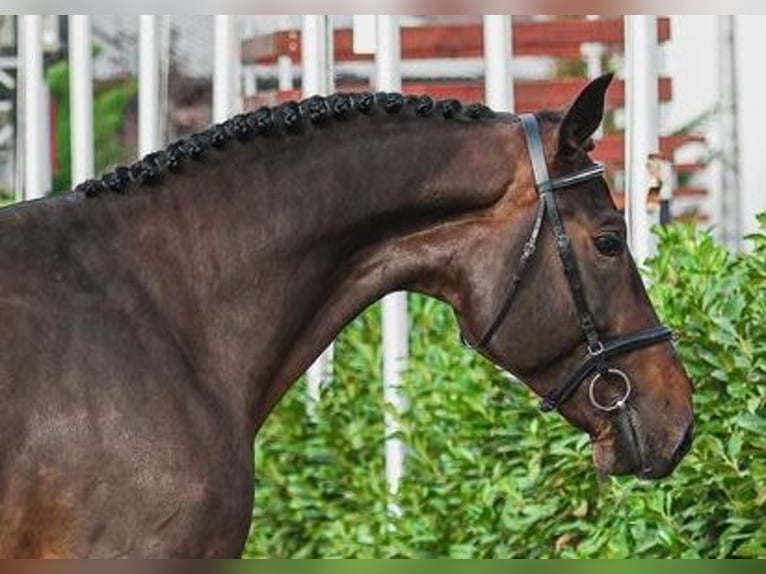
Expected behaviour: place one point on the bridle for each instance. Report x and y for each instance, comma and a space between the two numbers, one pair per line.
599, 352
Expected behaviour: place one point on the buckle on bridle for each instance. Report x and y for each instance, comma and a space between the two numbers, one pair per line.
596, 349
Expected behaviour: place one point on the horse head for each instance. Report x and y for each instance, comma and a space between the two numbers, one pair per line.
549, 291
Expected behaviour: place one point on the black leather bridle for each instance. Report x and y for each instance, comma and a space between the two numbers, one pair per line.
599, 351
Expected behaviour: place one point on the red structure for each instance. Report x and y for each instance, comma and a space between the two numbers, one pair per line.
551, 38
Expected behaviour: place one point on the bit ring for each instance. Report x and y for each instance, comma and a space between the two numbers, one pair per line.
618, 404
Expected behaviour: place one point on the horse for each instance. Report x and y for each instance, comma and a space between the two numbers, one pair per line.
153, 317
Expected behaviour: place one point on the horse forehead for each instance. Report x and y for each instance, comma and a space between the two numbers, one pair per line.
585, 205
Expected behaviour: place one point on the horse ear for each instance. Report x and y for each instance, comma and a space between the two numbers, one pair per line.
583, 117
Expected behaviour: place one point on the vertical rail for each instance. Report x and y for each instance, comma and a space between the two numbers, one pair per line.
498, 58
751, 85
81, 97
315, 47
226, 69
249, 71
329, 44
642, 125
284, 62
364, 34
149, 120
285, 73
36, 148
395, 316
731, 183
18, 100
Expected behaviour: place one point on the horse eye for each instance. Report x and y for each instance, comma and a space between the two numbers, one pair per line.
610, 245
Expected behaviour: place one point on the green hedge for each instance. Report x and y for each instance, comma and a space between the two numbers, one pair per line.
110, 104
489, 476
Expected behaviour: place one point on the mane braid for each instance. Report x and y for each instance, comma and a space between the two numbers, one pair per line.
290, 118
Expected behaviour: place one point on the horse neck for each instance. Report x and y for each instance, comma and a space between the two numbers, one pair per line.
260, 254
375, 192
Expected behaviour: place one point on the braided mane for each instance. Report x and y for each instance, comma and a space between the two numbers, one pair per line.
288, 118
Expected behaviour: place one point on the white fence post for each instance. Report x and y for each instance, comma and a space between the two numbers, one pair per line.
642, 126
317, 73
149, 120
730, 203
226, 69
395, 317
81, 97
498, 58
317, 50
285, 62
365, 34
35, 116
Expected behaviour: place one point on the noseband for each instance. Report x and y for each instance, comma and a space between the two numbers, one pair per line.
599, 351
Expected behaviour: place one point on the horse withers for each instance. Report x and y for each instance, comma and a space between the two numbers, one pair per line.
153, 318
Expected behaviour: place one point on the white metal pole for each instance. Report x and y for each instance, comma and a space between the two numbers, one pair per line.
388, 60
642, 125
365, 34
285, 73
46, 139
81, 97
314, 51
395, 317
317, 67
36, 149
285, 62
731, 189
498, 57
226, 69
329, 45
149, 121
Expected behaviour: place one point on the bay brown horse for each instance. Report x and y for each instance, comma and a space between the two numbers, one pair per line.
151, 319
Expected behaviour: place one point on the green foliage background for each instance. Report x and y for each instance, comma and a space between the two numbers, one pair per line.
489, 476
109, 107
